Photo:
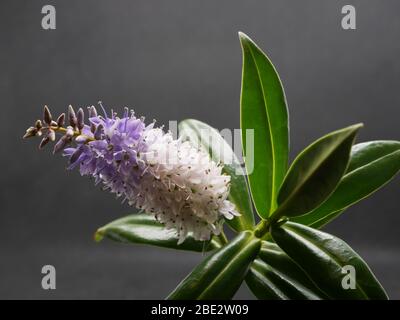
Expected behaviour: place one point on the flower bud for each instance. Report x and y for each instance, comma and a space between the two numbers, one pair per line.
70, 132
72, 117
47, 115
44, 141
61, 120
92, 112
38, 124
60, 144
81, 139
80, 119
30, 132
51, 134
98, 132
75, 156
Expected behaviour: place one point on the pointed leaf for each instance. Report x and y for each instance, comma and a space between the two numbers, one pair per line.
315, 173
144, 229
263, 109
220, 275
319, 223
323, 257
275, 276
201, 134
372, 165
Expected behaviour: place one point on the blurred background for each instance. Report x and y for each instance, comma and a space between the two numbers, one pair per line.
171, 60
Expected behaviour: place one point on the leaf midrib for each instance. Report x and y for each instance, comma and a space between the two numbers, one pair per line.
273, 191
310, 175
314, 244
268, 282
348, 176
236, 256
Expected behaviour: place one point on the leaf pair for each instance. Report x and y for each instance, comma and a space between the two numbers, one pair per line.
372, 165
335, 268
276, 276
313, 191
314, 174
220, 275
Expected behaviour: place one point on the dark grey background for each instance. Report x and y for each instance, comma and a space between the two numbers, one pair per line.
171, 60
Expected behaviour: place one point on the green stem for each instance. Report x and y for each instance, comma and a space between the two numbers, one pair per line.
262, 228
76, 132
222, 237
264, 225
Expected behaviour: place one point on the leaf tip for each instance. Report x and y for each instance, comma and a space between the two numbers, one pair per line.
357, 126
98, 235
243, 37
353, 129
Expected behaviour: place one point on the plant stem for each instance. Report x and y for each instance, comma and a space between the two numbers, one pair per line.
76, 132
262, 228
222, 237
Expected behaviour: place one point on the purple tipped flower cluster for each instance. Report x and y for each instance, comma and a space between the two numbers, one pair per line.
170, 179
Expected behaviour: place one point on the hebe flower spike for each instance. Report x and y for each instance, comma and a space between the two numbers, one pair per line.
173, 181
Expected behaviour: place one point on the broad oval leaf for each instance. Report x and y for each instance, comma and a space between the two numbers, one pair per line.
205, 136
366, 152
220, 275
372, 165
315, 173
144, 229
276, 276
324, 258
263, 109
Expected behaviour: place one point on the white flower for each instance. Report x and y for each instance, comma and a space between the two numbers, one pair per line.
182, 187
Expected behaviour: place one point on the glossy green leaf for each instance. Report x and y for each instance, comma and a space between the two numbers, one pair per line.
364, 153
144, 229
263, 109
201, 134
315, 173
323, 257
319, 223
275, 276
372, 165
220, 275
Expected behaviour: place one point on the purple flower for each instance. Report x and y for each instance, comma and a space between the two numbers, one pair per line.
170, 179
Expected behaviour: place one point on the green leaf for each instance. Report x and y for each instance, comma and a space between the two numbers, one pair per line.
275, 276
323, 257
319, 223
263, 109
372, 165
201, 134
220, 275
144, 229
315, 173
366, 152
